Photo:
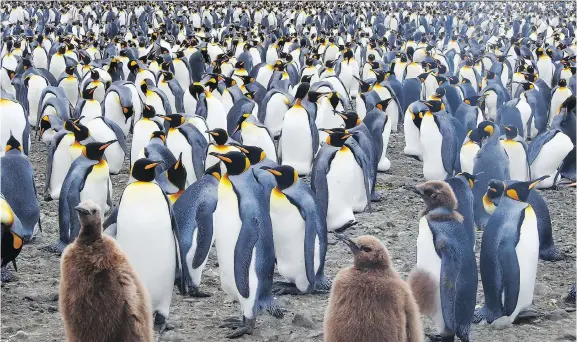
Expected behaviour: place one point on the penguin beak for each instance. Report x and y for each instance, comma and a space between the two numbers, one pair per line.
108, 143
416, 190
221, 157
150, 166
349, 242
81, 210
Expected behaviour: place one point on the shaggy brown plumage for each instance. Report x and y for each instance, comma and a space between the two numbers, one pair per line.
425, 289
369, 301
101, 297
438, 194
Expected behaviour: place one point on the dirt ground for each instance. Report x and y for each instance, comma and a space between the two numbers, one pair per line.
29, 304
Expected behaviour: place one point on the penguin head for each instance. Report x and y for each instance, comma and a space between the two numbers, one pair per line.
168, 75
95, 150
351, 119
236, 162
334, 99
527, 85
368, 252
148, 112
195, 89
212, 84
158, 135
69, 70
133, 65
45, 125
436, 194
490, 75
62, 49
176, 174
94, 75
422, 77
440, 92
175, 120
144, 87
88, 93
80, 131
474, 100
435, 105
143, 170
219, 135
90, 219
246, 79
337, 138
495, 189
13, 144
254, 154
519, 191
214, 171
469, 178
302, 91
441, 69
382, 105
511, 131
562, 83
539, 51
284, 175
569, 103
486, 129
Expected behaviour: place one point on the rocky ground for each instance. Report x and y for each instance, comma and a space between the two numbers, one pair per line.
30, 302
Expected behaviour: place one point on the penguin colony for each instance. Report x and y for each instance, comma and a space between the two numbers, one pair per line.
223, 111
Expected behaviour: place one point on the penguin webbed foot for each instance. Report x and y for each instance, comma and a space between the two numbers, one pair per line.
375, 197
6, 275
323, 285
346, 226
551, 254
480, 315
56, 248
441, 338
159, 323
527, 316
281, 288
193, 291
239, 326
272, 307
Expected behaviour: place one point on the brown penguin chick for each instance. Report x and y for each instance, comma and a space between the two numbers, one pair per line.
369, 301
438, 194
101, 297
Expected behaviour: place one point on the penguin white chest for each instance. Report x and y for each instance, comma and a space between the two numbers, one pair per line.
145, 235
289, 234
412, 136
142, 132
491, 105
467, 157
152, 99
177, 144
57, 65
253, 135
181, 73
431, 143
275, 112
341, 184
216, 115
12, 121
550, 158
91, 110
518, 168
384, 162
296, 140
35, 86
96, 185
61, 161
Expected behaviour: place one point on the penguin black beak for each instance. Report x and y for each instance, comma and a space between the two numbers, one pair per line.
349, 242
82, 211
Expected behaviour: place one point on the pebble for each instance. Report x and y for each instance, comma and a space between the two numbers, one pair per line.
172, 336
19, 336
558, 315
304, 321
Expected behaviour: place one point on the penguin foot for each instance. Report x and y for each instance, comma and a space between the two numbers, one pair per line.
193, 291
570, 299
47, 197
552, 254
57, 248
6, 275
272, 307
440, 338
480, 315
323, 285
375, 197
159, 323
527, 316
244, 327
346, 226
280, 288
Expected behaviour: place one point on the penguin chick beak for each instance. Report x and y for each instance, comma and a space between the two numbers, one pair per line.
81, 210
416, 190
349, 242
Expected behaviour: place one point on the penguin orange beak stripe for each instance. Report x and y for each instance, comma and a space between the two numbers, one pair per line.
346, 136
150, 166
221, 157
274, 172
242, 149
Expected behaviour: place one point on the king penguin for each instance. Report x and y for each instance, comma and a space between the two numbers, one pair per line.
516, 149
12, 232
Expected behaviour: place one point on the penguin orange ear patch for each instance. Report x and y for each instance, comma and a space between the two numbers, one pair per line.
512, 194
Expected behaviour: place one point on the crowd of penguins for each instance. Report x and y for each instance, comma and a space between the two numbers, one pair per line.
258, 128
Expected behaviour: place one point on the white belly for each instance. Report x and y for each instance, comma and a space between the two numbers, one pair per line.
264, 74
467, 157
181, 74
142, 133
393, 114
96, 186
340, 186
35, 86
550, 158
431, 142
61, 162
296, 141
275, 112
90, 111
491, 105
152, 99
71, 89
40, 58
557, 101
384, 162
256, 136
57, 66
177, 143
146, 237
518, 167
12, 121
216, 116
412, 136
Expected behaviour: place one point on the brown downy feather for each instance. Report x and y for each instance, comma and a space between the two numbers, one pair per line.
425, 290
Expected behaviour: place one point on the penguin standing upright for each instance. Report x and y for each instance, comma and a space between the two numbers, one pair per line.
448, 265
516, 149
509, 256
297, 222
12, 232
142, 132
243, 234
69, 82
148, 234
57, 63
102, 130
87, 108
35, 84
558, 96
222, 145
546, 154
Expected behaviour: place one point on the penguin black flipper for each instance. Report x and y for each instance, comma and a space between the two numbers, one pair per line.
53, 146
320, 169
243, 252
178, 95
199, 146
449, 145
177, 239
240, 107
119, 134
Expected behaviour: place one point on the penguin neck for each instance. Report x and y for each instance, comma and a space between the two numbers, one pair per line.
488, 205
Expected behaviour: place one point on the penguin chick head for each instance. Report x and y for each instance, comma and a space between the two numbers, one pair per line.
176, 174
284, 175
219, 135
88, 93
174, 120
519, 191
90, 221
437, 194
382, 105
351, 119
254, 154
143, 170
369, 253
95, 150
511, 131
13, 144
236, 162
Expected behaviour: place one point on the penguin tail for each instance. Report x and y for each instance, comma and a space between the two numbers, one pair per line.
425, 290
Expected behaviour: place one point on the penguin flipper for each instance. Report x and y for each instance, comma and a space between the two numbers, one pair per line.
177, 239
53, 146
204, 235
510, 287
199, 147
243, 253
119, 134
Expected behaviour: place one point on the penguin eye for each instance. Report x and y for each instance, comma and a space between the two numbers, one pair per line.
366, 249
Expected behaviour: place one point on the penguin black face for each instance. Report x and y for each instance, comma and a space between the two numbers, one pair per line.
159, 135
526, 85
214, 171
435, 106
486, 129
511, 131
254, 154
144, 87
569, 103
382, 105
337, 138
88, 93
62, 49
302, 91
175, 120
195, 89
436, 194
45, 125
80, 132
351, 119
562, 83
69, 70
176, 174
440, 92
520, 191
13, 144
148, 111
143, 170
284, 175
468, 177
495, 189
94, 75
167, 75
95, 150
132, 65
219, 135
474, 100
235, 162
490, 75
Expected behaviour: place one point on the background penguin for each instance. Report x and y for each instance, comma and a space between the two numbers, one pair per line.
69, 82
469, 112
546, 154
449, 264
34, 85
173, 179
87, 178
142, 132
509, 255
121, 105
566, 122
148, 233
516, 149
242, 224
49, 126
173, 91
193, 213
358, 295
96, 84
222, 144
491, 162
95, 263
18, 188
12, 233
297, 222
87, 108
253, 133
558, 96
547, 249
412, 125
103, 130
13, 121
